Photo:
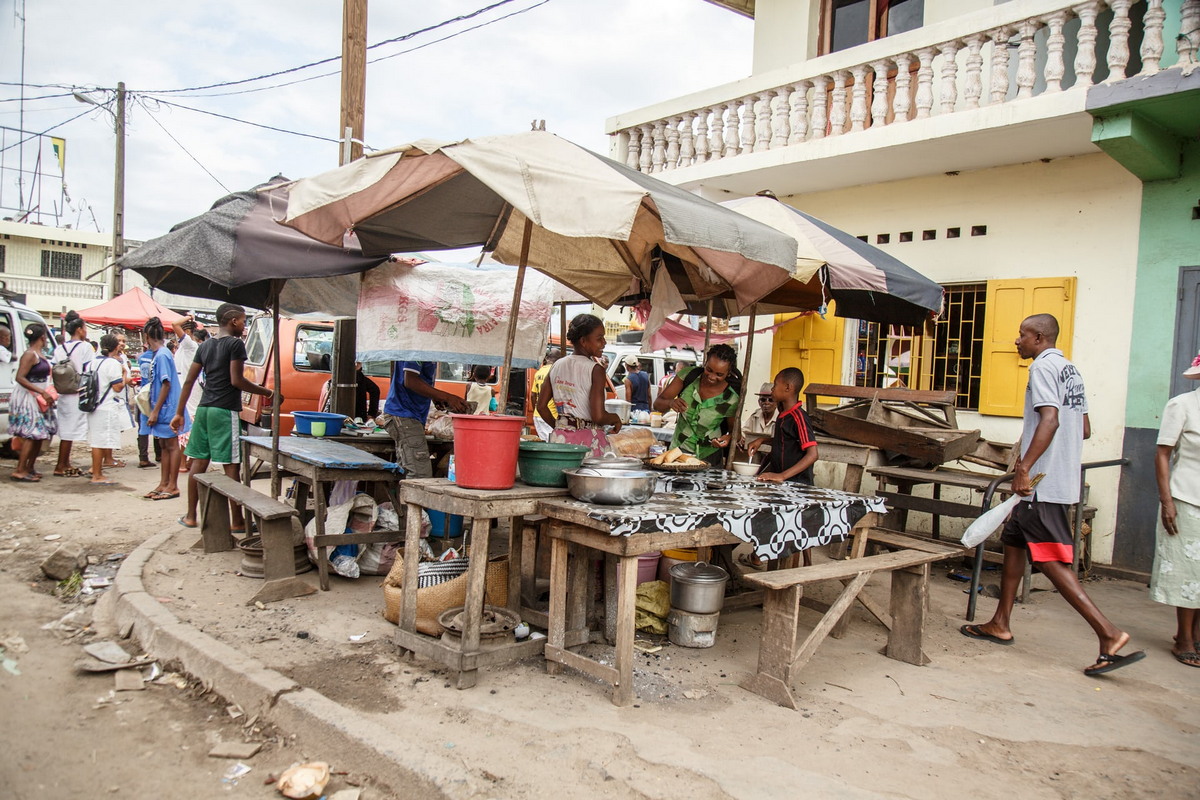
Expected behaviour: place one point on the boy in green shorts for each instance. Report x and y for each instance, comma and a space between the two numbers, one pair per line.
216, 430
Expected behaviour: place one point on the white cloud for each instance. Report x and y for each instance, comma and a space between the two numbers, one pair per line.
571, 62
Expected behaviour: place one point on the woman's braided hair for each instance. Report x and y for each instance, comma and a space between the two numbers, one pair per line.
153, 329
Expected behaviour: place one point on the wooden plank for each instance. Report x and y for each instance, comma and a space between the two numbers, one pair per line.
897, 539
626, 605
940, 475
529, 546
835, 570
910, 594
929, 505
412, 550
777, 643
558, 656
638, 543
832, 616
557, 632
933, 447
260, 504
215, 532
868, 393
578, 594
516, 559
476, 587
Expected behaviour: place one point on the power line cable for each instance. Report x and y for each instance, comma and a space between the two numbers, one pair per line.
373, 60
158, 122
48, 130
29, 99
393, 40
247, 122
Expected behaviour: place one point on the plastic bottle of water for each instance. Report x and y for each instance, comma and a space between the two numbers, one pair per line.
450, 469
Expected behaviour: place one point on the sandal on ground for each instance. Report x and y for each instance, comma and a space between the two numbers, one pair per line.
1191, 659
150, 494
1107, 662
102, 483
146, 465
183, 521
165, 495
976, 632
70, 472
23, 478
115, 465
747, 561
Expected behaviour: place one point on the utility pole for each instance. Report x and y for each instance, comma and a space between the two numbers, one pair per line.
119, 191
350, 131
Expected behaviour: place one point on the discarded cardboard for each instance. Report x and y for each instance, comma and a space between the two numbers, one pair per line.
129, 680
235, 750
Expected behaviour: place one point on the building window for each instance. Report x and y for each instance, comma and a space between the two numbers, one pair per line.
847, 23
57, 264
2, 248
950, 360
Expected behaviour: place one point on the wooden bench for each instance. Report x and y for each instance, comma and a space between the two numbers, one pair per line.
278, 526
781, 655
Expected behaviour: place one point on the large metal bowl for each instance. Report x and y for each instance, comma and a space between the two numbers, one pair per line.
611, 487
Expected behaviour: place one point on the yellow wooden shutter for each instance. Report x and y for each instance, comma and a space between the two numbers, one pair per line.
812, 344
1002, 391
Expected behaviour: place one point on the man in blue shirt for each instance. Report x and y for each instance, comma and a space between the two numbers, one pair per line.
406, 409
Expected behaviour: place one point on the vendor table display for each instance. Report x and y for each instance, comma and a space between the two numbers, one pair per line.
779, 520
317, 464
479, 507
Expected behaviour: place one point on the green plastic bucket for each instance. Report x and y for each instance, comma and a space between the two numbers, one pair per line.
542, 463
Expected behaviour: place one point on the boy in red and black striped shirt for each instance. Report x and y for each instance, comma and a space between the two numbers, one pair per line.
793, 449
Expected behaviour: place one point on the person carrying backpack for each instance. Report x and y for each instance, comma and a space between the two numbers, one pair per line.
69, 361
104, 382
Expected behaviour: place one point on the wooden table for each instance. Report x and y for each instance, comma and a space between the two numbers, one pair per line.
382, 444
317, 464
700, 519
479, 507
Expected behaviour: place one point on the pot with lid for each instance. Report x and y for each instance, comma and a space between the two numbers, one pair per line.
613, 461
698, 587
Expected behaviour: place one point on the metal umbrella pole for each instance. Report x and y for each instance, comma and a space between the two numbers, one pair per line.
506, 370
276, 399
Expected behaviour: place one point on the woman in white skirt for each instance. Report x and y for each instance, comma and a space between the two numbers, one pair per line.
1176, 577
110, 419
72, 423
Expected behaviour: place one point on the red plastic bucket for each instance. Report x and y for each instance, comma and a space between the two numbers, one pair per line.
485, 450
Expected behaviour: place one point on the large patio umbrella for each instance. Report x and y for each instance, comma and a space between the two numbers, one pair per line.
536, 200
233, 251
129, 310
866, 282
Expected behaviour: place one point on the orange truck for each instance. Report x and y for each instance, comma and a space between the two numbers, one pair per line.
306, 356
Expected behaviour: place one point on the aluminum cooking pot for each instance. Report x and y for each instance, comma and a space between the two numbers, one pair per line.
698, 587
613, 461
611, 487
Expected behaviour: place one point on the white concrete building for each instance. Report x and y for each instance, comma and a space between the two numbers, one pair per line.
955, 135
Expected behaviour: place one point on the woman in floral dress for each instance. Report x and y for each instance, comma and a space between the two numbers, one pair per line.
1176, 577
31, 408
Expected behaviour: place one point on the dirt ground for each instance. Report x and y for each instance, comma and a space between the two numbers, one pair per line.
980, 720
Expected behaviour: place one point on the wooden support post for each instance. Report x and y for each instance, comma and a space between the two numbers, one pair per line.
556, 636
736, 433
772, 680
910, 588
626, 608
514, 313
215, 529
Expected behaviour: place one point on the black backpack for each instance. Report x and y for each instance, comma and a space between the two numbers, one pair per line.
89, 387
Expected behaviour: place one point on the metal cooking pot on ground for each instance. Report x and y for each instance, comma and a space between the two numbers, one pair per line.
611, 487
698, 587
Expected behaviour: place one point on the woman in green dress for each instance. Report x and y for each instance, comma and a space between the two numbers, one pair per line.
705, 399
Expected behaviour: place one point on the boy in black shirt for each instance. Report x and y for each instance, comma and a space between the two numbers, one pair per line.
793, 449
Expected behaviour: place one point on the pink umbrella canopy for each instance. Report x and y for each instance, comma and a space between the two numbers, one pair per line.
129, 310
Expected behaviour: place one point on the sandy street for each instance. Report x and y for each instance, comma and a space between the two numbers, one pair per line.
979, 721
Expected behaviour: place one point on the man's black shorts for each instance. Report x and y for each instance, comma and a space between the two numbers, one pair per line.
1042, 528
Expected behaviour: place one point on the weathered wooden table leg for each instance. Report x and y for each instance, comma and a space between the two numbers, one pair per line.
215, 535
322, 552
858, 548
412, 557
556, 636
910, 588
476, 591
516, 527
610, 598
578, 594
279, 562
626, 608
773, 679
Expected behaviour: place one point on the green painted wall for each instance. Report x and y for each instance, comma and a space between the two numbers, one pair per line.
1169, 239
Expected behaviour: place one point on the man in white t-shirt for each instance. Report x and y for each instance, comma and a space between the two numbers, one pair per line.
5, 344
1055, 425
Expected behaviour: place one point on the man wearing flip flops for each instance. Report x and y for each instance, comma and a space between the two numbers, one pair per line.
1055, 425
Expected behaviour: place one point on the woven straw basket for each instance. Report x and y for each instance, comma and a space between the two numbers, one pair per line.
433, 600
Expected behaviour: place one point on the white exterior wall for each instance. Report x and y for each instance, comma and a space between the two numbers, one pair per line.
23, 244
1070, 217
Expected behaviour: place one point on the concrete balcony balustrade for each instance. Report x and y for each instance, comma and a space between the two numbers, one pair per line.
1002, 86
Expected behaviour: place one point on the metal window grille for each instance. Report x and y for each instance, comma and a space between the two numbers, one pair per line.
949, 360
2, 249
57, 264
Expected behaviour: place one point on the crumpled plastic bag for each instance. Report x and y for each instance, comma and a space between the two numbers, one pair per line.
440, 425
653, 605
360, 513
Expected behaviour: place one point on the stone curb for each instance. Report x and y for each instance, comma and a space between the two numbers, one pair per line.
346, 737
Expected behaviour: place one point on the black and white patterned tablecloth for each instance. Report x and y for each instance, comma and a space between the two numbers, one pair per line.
778, 519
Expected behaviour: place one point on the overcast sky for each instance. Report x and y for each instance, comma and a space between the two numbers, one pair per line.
573, 63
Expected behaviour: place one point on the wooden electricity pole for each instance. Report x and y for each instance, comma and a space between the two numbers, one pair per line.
119, 190
350, 131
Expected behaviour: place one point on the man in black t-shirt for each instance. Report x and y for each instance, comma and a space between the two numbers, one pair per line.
216, 430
